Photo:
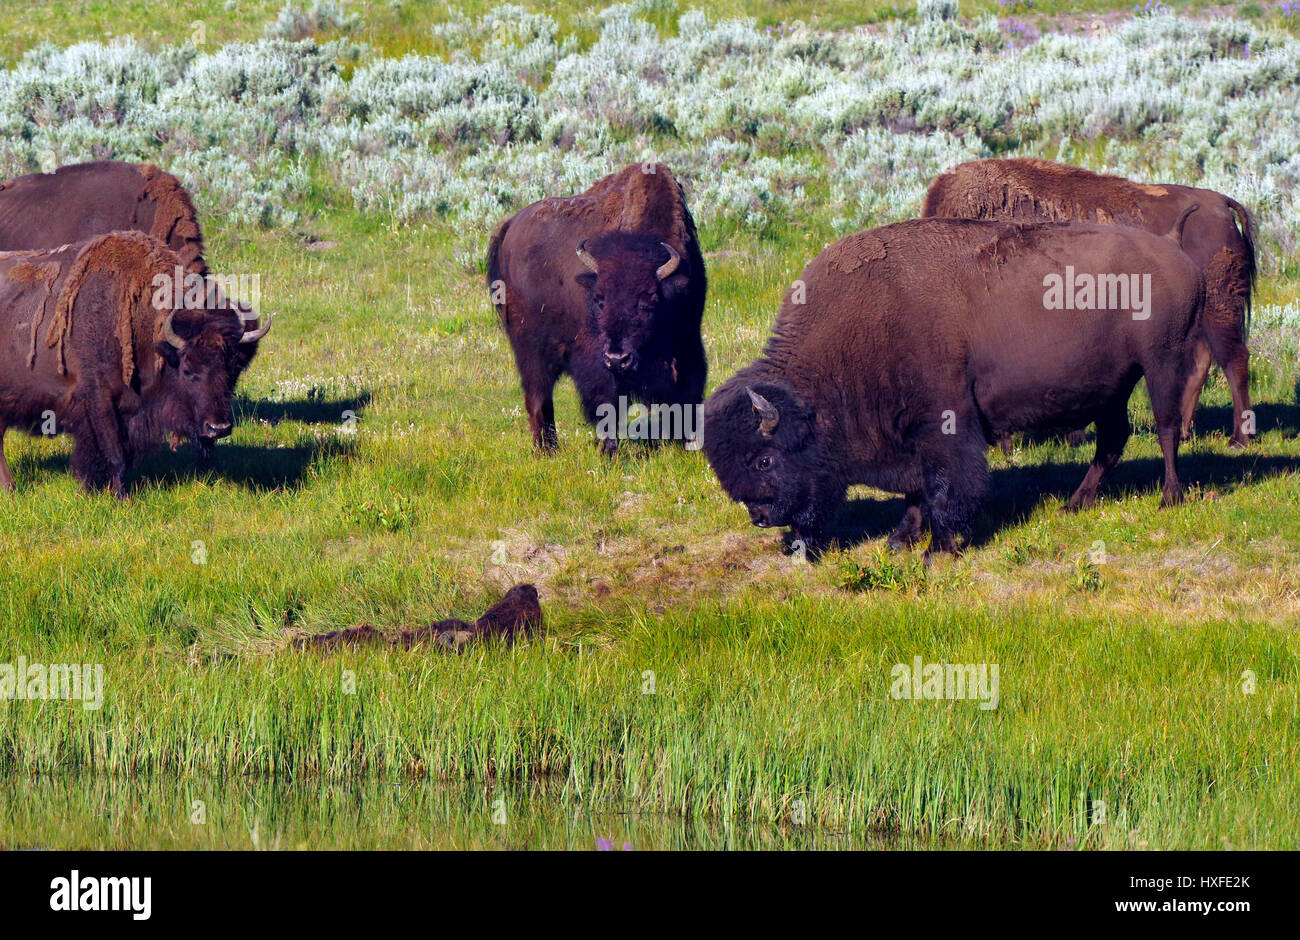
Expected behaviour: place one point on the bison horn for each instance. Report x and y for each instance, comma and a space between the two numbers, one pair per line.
252, 336
770, 414
669, 266
170, 334
585, 257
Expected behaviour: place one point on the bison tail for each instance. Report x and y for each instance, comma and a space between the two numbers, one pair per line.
1176, 233
1246, 222
494, 280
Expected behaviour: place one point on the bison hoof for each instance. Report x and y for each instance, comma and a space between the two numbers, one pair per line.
608, 446
1238, 443
1171, 498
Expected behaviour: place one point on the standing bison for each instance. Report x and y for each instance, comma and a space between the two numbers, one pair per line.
607, 286
1039, 191
77, 202
904, 350
86, 351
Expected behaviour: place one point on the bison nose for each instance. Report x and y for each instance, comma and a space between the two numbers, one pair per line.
619, 361
214, 429
760, 516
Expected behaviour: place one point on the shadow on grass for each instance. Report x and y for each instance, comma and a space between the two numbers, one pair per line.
311, 410
1015, 493
255, 468
252, 467
1269, 416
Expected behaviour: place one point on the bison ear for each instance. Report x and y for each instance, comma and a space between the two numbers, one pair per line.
168, 353
675, 286
587, 279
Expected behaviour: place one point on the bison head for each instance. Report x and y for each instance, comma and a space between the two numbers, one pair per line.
761, 441
191, 396
630, 281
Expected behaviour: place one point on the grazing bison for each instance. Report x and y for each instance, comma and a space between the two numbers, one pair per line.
1219, 238
916, 343
88, 353
607, 286
77, 202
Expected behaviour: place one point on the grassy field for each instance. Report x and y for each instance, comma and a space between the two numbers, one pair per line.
692, 676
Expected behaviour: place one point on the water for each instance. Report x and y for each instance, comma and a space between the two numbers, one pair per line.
85, 811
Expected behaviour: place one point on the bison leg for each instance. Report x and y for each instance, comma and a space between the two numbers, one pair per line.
1195, 383
1237, 372
952, 489
539, 389
99, 451
1075, 437
1172, 492
598, 392
1165, 384
911, 527
1113, 431
692, 372
6, 478
1223, 320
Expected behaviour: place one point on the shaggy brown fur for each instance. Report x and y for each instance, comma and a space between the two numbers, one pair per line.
517, 614
1219, 237
80, 201
175, 220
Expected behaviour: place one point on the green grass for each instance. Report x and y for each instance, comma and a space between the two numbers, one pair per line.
398, 28
1121, 679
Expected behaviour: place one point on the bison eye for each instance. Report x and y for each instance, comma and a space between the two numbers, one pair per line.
764, 462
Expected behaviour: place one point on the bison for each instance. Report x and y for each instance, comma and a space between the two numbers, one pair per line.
90, 354
77, 202
1219, 238
902, 351
517, 614
607, 286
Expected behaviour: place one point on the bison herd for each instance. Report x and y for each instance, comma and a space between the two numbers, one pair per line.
1030, 296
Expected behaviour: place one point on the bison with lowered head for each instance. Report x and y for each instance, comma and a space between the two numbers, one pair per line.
86, 351
77, 202
1219, 237
607, 286
917, 343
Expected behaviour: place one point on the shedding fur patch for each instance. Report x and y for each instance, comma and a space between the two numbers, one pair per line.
857, 250
45, 274
175, 222
133, 257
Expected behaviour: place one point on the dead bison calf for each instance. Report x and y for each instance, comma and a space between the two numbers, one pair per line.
84, 351
1219, 237
607, 286
907, 348
517, 614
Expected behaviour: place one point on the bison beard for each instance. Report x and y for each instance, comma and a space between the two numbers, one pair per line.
917, 344
608, 287
517, 614
1029, 190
